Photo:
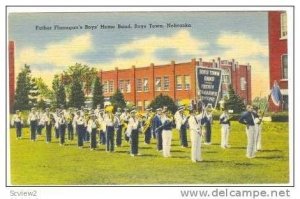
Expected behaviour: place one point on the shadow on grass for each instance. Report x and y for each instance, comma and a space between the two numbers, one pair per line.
145, 147
213, 161
270, 157
269, 150
244, 164
238, 147
210, 151
177, 151
147, 155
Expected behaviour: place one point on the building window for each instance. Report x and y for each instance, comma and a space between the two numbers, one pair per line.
187, 82
139, 105
121, 86
110, 86
243, 83
158, 83
283, 25
146, 103
284, 65
105, 86
146, 85
127, 86
166, 83
139, 85
225, 79
179, 82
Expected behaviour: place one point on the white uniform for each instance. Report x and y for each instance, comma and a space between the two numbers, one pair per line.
132, 125
16, 118
225, 130
166, 138
180, 119
196, 134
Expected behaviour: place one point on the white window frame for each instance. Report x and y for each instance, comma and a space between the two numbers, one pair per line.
283, 26
282, 68
181, 82
158, 88
243, 84
139, 85
166, 84
185, 83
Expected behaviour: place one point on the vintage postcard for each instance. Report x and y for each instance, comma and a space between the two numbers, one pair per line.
191, 96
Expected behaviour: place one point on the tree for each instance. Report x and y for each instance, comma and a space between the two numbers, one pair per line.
23, 89
117, 100
98, 98
41, 104
77, 95
234, 102
61, 96
163, 100
33, 92
260, 102
84, 73
59, 92
44, 91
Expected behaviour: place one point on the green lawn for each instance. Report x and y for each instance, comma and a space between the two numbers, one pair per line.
38, 163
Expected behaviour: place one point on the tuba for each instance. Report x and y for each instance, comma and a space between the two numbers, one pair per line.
148, 123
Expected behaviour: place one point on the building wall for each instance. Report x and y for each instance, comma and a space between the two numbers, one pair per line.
171, 71
11, 62
277, 48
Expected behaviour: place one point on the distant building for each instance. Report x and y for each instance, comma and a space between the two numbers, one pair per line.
278, 55
140, 85
11, 63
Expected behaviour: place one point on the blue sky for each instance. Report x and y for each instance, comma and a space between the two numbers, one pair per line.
239, 35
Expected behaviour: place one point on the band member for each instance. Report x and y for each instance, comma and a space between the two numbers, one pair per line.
80, 122
109, 121
70, 127
118, 129
181, 125
56, 125
167, 122
62, 125
147, 126
101, 127
207, 126
92, 129
41, 123
17, 122
247, 118
133, 132
49, 121
258, 126
86, 134
33, 120
225, 129
196, 135
156, 126
125, 118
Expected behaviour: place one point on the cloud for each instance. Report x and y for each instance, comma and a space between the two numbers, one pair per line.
48, 60
182, 43
241, 46
246, 49
56, 54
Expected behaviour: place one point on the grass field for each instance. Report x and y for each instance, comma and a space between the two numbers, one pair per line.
38, 163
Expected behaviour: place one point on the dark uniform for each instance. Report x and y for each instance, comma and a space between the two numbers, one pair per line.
33, 120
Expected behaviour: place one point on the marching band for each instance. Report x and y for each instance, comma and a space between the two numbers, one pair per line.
88, 124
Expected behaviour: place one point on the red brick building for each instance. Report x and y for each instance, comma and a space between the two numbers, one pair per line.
278, 57
140, 85
11, 62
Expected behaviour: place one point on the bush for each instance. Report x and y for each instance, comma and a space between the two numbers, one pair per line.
280, 117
